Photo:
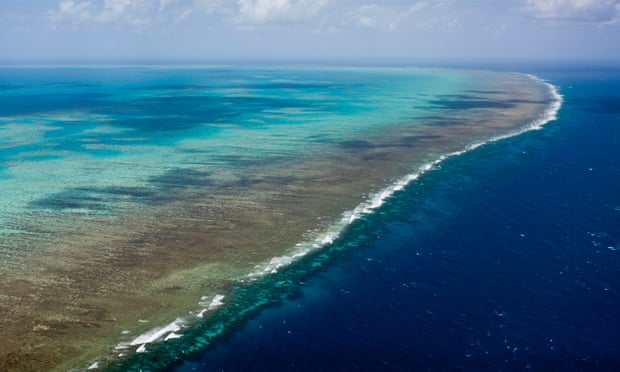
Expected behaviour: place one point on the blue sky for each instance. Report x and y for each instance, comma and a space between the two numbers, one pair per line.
414, 31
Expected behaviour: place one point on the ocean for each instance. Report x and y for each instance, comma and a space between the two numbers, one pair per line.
273, 218
503, 258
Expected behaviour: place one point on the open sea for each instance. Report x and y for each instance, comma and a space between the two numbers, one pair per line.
288, 218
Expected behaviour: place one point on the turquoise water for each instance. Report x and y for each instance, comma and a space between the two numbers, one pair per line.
118, 129
175, 186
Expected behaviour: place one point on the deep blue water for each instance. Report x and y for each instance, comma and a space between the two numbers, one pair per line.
507, 257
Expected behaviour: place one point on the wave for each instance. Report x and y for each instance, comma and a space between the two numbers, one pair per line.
322, 239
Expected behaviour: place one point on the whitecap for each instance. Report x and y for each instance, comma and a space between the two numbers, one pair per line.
208, 306
172, 336
157, 333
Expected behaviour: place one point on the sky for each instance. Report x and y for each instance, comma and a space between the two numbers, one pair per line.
346, 31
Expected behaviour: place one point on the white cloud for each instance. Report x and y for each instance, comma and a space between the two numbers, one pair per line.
421, 16
216, 6
140, 12
132, 11
163, 4
576, 10
284, 11
317, 15
71, 9
375, 17
418, 6
259, 12
113, 10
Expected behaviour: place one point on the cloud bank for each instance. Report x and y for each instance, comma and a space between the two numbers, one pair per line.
378, 15
601, 11
139, 12
286, 11
308, 29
